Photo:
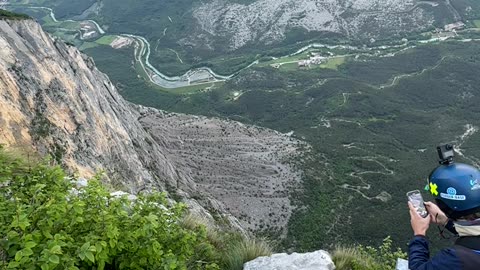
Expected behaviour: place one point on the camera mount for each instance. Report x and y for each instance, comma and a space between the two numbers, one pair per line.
446, 153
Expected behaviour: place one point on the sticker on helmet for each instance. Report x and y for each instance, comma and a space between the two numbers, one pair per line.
452, 195
433, 189
475, 184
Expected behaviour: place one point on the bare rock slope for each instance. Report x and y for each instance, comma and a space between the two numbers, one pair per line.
268, 21
54, 98
243, 167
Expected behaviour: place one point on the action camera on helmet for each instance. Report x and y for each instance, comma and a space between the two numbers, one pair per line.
445, 154
455, 186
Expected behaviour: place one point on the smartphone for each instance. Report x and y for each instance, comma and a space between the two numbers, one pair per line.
415, 197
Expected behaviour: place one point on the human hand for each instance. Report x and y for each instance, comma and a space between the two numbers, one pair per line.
419, 224
436, 215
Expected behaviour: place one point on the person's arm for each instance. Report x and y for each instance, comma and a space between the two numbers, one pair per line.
419, 252
438, 217
419, 257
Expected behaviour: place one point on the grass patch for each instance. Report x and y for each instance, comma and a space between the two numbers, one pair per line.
289, 67
333, 63
367, 258
106, 40
47, 20
297, 57
235, 249
244, 251
346, 258
476, 23
88, 45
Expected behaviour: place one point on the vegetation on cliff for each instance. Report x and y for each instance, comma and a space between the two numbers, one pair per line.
365, 139
4, 14
48, 222
367, 258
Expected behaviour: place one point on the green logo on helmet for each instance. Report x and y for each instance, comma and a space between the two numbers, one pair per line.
433, 189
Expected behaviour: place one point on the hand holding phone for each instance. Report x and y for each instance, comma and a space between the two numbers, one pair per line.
415, 197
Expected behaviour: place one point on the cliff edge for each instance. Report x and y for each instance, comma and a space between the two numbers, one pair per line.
55, 100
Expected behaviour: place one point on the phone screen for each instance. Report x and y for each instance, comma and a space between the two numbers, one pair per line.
415, 197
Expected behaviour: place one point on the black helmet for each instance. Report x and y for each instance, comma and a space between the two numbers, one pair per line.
456, 188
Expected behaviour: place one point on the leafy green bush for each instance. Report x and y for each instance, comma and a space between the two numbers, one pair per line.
45, 223
368, 258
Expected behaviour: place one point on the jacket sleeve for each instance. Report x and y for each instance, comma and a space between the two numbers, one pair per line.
419, 257
451, 227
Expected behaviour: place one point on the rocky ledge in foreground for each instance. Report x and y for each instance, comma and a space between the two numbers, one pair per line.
318, 260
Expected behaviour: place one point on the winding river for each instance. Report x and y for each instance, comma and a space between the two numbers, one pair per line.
201, 75
205, 75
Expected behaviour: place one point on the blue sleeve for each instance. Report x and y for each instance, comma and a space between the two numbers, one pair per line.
419, 257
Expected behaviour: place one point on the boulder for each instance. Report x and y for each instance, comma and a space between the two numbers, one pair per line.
318, 260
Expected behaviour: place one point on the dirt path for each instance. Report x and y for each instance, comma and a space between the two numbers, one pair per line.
178, 56
397, 78
454, 11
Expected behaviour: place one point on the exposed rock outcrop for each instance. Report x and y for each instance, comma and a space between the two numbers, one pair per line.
53, 98
243, 167
318, 260
269, 21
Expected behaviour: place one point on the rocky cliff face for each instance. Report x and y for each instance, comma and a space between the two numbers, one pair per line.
245, 168
53, 98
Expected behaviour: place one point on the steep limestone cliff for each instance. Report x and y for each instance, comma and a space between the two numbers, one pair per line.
53, 98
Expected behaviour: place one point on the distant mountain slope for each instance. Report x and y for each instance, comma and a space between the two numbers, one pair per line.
269, 21
226, 25
228, 35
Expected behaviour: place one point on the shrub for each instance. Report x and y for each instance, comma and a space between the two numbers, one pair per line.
46, 224
245, 249
367, 258
4, 14
234, 249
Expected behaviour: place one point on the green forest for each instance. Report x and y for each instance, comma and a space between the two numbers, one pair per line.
366, 129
